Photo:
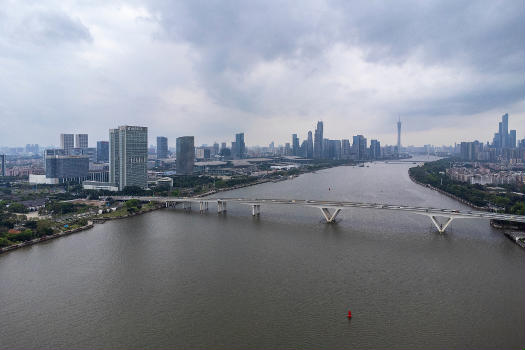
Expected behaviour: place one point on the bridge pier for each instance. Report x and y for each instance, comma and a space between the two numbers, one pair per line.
330, 218
256, 209
441, 227
221, 207
203, 206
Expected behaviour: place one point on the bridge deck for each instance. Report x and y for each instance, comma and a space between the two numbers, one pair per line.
339, 205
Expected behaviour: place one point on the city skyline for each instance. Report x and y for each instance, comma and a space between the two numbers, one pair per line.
80, 65
64, 144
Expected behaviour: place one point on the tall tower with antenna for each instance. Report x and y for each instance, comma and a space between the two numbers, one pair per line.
399, 135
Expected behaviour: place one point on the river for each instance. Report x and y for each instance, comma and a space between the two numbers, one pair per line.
283, 280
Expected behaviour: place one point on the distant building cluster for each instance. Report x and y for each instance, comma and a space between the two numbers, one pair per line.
504, 147
319, 147
126, 159
485, 176
71, 162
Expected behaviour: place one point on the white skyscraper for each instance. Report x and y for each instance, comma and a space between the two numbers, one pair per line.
128, 156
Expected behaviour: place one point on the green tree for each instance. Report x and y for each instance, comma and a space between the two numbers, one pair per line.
518, 208
4, 242
133, 191
17, 208
132, 203
32, 224
81, 222
44, 227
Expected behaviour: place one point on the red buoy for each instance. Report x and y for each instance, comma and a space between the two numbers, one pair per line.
349, 314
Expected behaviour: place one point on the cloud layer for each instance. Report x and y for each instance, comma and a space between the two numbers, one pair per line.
268, 68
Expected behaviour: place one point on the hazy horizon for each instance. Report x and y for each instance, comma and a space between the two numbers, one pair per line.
265, 68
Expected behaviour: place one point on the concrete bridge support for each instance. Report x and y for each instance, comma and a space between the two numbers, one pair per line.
440, 227
203, 206
330, 218
256, 209
221, 207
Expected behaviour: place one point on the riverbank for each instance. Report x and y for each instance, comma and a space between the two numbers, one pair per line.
516, 236
461, 200
258, 182
91, 222
46, 238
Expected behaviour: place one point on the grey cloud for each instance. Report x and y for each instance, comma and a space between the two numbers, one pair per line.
236, 34
484, 33
233, 36
58, 27
58, 75
473, 100
45, 28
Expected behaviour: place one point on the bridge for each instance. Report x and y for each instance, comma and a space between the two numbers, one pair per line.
441, 218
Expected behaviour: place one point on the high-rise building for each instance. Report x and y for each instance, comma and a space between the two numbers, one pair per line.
326, 149
318, 141
512, 139
102, 151
295, 145
310, 146
81, 141
128, 156
335, 149
235, 150
470, 150
346, 150
162, 147
503, 139
238, 147
66, 167
359, 147
375, 149
215, 148
287, 149
185, 155
2, 158
496, 141
399, 135
303, 149
67, 141
505, 130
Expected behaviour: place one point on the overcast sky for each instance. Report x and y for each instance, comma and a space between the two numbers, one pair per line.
268, 68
